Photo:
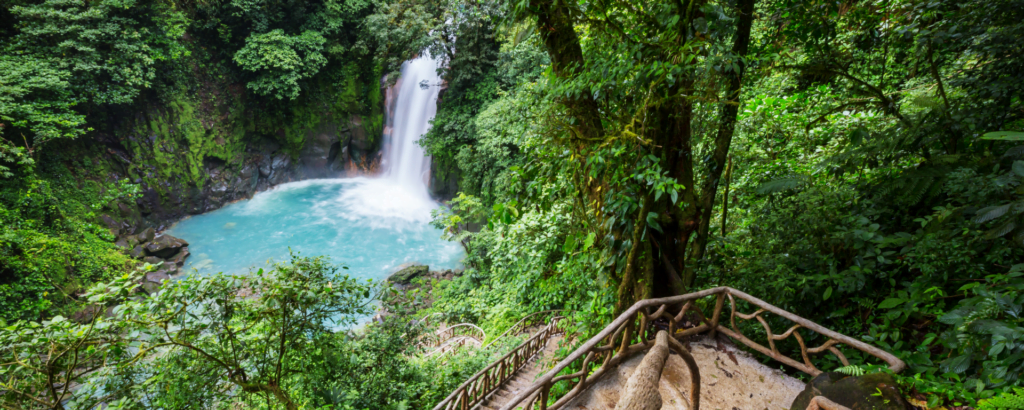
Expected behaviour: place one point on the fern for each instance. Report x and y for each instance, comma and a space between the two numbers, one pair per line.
1005, 401
915, 185
851, 370
992, 212
1000, 230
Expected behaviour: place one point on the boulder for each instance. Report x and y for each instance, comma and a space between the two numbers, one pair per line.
854, 392
152, 260
146, 235
133, 240
151, 283
405, 275
138, 252
179, 258
165, 246
122, 243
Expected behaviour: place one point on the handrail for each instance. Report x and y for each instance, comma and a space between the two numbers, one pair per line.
520, 322
438, 338
477, 387
453, 343
638, 322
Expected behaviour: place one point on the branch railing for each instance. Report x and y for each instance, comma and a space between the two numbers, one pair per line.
531, 320
633, 332
484, 382
462, 331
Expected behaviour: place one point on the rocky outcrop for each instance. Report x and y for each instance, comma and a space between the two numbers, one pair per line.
875, 391
165, 253
405, 275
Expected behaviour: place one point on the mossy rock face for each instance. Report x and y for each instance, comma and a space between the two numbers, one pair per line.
405, 275
875, 391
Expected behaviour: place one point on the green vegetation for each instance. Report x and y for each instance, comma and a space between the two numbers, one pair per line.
857, 163
839, 160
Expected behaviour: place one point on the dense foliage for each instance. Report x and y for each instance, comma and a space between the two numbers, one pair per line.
857, 163
864, 155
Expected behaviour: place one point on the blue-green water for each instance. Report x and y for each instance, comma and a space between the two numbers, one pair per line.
371, 225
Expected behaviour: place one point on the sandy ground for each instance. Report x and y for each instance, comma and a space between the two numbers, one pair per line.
730, 380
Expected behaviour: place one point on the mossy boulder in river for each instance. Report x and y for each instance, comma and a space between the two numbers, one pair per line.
407, 274
165, 246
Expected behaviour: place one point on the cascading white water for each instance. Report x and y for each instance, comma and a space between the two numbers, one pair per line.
400, 194
416, 93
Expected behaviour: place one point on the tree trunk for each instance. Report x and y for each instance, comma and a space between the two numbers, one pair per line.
723, 140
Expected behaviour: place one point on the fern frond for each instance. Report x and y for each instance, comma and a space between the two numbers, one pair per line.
851, 370
782, 184
992, 212
1005, 401
1001, 230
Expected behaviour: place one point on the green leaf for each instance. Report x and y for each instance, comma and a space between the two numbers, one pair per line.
891, 303
1000, 230
957, 364
1004, 136
828, 293
989, 213
652, 221
570, 244
858, 135
1018, 168
587, 243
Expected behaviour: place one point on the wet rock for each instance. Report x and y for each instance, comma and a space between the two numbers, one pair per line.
113, 225
360, 139
152, 281
316, 151
179, 258
122, 243
264, 168
280, 166
405, 275
165, 246
854, 392
153, 260
147, 235
132, 241
125, 209
138, 252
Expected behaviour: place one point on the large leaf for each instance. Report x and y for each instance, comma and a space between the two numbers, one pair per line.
957, 364
1018, 168
1004, 136
891, 303
992, 212
1000, 230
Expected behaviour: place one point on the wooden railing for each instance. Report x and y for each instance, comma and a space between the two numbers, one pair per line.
633, 332
461, 331
531, 320
476, 389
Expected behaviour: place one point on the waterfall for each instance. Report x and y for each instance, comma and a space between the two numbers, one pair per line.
415, 102
399, 197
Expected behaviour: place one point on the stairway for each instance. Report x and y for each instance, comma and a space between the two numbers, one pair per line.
522, 378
